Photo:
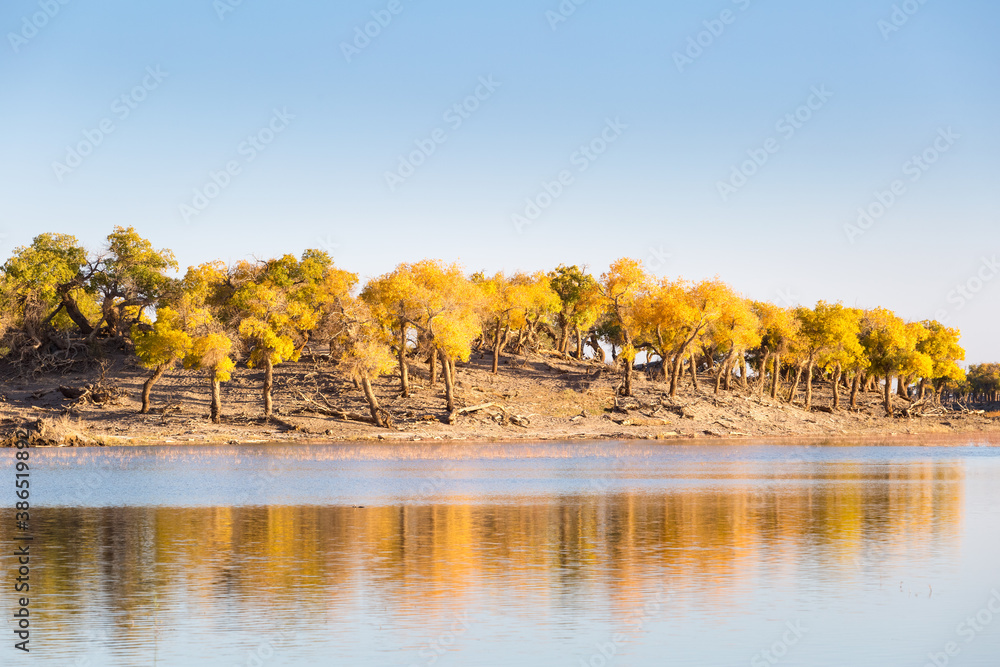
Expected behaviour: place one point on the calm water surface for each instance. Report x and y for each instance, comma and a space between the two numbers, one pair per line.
557, 554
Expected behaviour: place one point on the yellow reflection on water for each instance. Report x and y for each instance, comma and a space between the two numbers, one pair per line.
413, 561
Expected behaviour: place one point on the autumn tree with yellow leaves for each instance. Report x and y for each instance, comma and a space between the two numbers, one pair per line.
439, 303
623, 287
512, 303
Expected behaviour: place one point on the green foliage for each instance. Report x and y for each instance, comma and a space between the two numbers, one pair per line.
130, 277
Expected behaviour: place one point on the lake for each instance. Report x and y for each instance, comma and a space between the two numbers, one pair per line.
598, 554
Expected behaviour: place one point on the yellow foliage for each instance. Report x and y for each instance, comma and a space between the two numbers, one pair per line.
166, 343
211, 353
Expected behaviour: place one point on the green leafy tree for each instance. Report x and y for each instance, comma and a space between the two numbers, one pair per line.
45, 285
129, 278
580, 305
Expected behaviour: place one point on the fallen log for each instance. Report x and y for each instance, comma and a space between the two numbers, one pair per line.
516, 420
331, 411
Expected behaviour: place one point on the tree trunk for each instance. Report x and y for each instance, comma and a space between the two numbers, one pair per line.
744, 381
628, 376
836, 387
724, 369
433, 367
675, 372
147, 386
79, 319
762, 374
664, 358
373, 406
449, 386
404, 371
923, 388
888, 395
809, 383
855, 385
599, 352
776, 376
903, 386
579, 344
694, 369
795, 383
497, 342
268, 384
216, 409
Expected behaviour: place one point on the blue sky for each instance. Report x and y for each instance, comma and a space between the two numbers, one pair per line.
683, 116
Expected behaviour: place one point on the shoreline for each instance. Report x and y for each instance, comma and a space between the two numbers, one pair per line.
540, 398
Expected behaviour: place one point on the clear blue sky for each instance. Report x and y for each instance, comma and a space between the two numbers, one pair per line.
682, 125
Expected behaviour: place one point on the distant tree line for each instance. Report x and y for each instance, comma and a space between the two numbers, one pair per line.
59, 301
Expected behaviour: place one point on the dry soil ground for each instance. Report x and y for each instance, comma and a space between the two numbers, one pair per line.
549, 397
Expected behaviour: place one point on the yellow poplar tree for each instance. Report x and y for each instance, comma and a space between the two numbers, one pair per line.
828, 334
210, 352
440, 303
511, 302
887, 342
942, 346
623, 288
736, 330
778, 329
366, 355
161, 348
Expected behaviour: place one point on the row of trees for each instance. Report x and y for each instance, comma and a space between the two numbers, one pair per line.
983, 384
58, 300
